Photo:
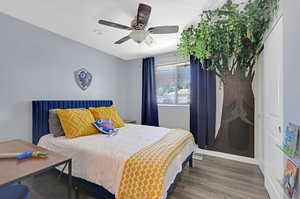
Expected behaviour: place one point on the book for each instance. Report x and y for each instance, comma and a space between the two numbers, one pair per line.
290, 177
290, 140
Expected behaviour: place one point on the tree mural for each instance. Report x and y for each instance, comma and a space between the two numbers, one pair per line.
232, 38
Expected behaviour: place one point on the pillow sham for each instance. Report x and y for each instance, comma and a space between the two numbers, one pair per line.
108, 113
55, 127
76, 122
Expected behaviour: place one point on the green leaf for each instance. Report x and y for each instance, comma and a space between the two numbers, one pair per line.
231, 32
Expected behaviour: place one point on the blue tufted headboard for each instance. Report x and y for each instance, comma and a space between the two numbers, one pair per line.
40, 113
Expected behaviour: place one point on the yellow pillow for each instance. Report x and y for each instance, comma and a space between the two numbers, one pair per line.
76, 122
108, 113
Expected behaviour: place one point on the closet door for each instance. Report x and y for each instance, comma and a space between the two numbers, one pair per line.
272, 115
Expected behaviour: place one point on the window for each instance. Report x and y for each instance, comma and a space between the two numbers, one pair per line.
173, 84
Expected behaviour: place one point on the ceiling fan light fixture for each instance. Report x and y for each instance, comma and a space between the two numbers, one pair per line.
149, 40
138, 27
139, 35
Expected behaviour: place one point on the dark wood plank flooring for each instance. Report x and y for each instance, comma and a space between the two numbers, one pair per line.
211, 178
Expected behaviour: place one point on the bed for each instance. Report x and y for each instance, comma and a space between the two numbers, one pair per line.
98, 160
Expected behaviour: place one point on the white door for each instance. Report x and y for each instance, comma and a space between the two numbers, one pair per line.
272, 110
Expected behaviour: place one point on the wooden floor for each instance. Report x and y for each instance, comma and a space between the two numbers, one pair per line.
211, 178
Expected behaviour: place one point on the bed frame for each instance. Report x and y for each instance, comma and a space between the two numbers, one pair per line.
40, 127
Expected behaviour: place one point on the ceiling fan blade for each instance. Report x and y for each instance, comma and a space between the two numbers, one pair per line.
143, 14
114, 25
164, 29
123, 40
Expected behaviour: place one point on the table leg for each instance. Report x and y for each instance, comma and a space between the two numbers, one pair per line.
76, 192
69, 179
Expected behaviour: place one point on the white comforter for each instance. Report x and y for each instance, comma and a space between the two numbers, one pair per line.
100, 159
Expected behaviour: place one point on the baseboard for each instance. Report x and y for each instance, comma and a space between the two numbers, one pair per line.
261, 167
271, 188
197, 156
227, 156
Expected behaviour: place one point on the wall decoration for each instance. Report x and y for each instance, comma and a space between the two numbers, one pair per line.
83, 78
231, 37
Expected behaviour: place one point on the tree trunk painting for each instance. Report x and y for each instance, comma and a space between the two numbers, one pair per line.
236, 134
231, 38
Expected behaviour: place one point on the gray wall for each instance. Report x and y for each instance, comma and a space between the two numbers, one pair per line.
37, 64
291, 66
170, 116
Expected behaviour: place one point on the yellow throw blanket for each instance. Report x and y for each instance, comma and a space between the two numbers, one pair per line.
144, 171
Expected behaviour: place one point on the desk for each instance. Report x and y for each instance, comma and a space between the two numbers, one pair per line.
13, 170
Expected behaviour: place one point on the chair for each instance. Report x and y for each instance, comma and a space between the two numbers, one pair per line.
18, 191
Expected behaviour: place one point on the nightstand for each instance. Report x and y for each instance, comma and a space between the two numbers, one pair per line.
130, 121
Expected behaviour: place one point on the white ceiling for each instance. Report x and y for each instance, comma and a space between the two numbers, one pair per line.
77, 20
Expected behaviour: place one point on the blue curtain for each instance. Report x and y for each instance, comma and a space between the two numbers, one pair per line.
203, 104
149, 101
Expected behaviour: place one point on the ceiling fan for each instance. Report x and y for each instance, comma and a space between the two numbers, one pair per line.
138, 27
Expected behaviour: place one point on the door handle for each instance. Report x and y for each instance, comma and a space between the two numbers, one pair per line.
279, 129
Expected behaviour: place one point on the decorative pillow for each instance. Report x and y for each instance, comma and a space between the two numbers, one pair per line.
76, 122
108, 113
105, 126
54, 124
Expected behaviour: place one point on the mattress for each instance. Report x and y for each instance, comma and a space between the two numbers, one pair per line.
100, 159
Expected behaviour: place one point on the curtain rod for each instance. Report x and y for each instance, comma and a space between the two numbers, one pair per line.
173, 64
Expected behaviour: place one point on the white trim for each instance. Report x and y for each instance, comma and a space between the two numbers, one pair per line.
180, 105
271, 188
176, 64
197, 156
273, 26
261, 166
227, 156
